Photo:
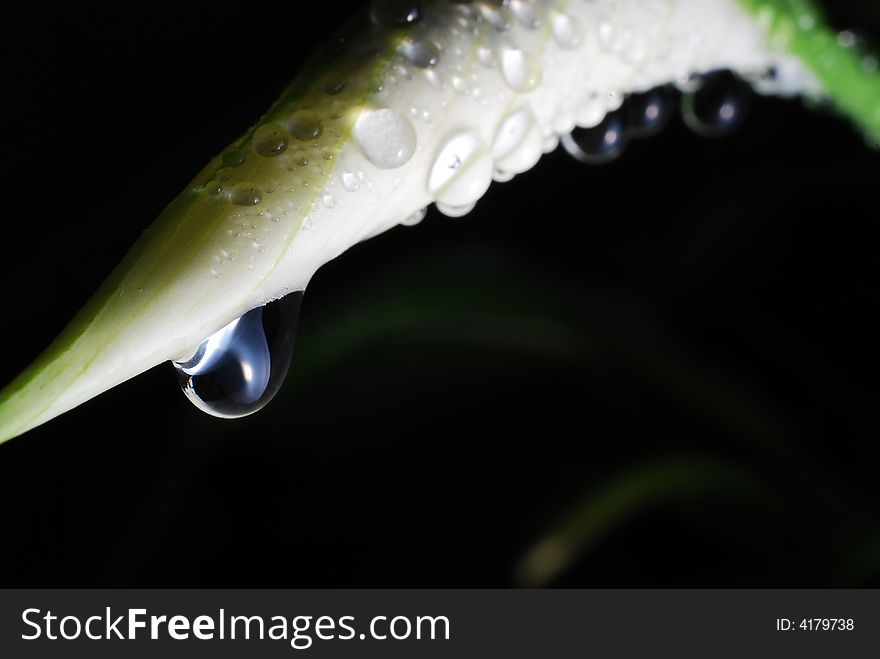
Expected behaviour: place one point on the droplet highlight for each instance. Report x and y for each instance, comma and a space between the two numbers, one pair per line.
395, 13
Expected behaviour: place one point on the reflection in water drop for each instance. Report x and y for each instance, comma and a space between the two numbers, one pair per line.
241, 367
648, 113
600, 144
718, 107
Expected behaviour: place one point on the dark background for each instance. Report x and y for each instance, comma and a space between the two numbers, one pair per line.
667, 366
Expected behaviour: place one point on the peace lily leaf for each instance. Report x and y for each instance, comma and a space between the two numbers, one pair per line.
399, 111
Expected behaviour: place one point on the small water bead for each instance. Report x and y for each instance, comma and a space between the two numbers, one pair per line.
600, 144
566, 30
270, 140
350, 182
246, 194
305, 125
333, 88
395, 13
719, 107
462, 170
387, 138
648, 113
415, 218
240, 368
521, 71
423, 53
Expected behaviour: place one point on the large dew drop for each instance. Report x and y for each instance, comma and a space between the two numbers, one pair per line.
462, 171
270, 140
240, 368
517, 144
386, 136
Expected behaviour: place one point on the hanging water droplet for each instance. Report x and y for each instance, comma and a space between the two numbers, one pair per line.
521, 71
454, 211
566, 30
415, 218
270, 140
386, 136
462, 170
648, 113
246, 194
422, 53
240, 368
600, 144
719, 107
395, 13
305, 125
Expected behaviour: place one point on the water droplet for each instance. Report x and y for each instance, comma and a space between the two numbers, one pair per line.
462, 171
233, 157
386, 136
395, 13
305, 125
350, 182
600, 144
422, 53
454, 211
566, 30
526, 13
719, 107
270, 140
517, 144
648, 113
415, 218
246, 194
328, 201
847, 38
497, 15
521, 71
502, 176
334, 87
241, 367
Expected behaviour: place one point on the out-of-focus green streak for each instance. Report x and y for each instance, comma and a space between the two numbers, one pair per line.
613, 503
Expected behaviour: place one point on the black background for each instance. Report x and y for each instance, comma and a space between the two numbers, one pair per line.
670, 361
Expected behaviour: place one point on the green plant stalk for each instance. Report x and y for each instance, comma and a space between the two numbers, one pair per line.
253, 226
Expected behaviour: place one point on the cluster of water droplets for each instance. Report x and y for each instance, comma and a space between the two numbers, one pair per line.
239, 368
713, 105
